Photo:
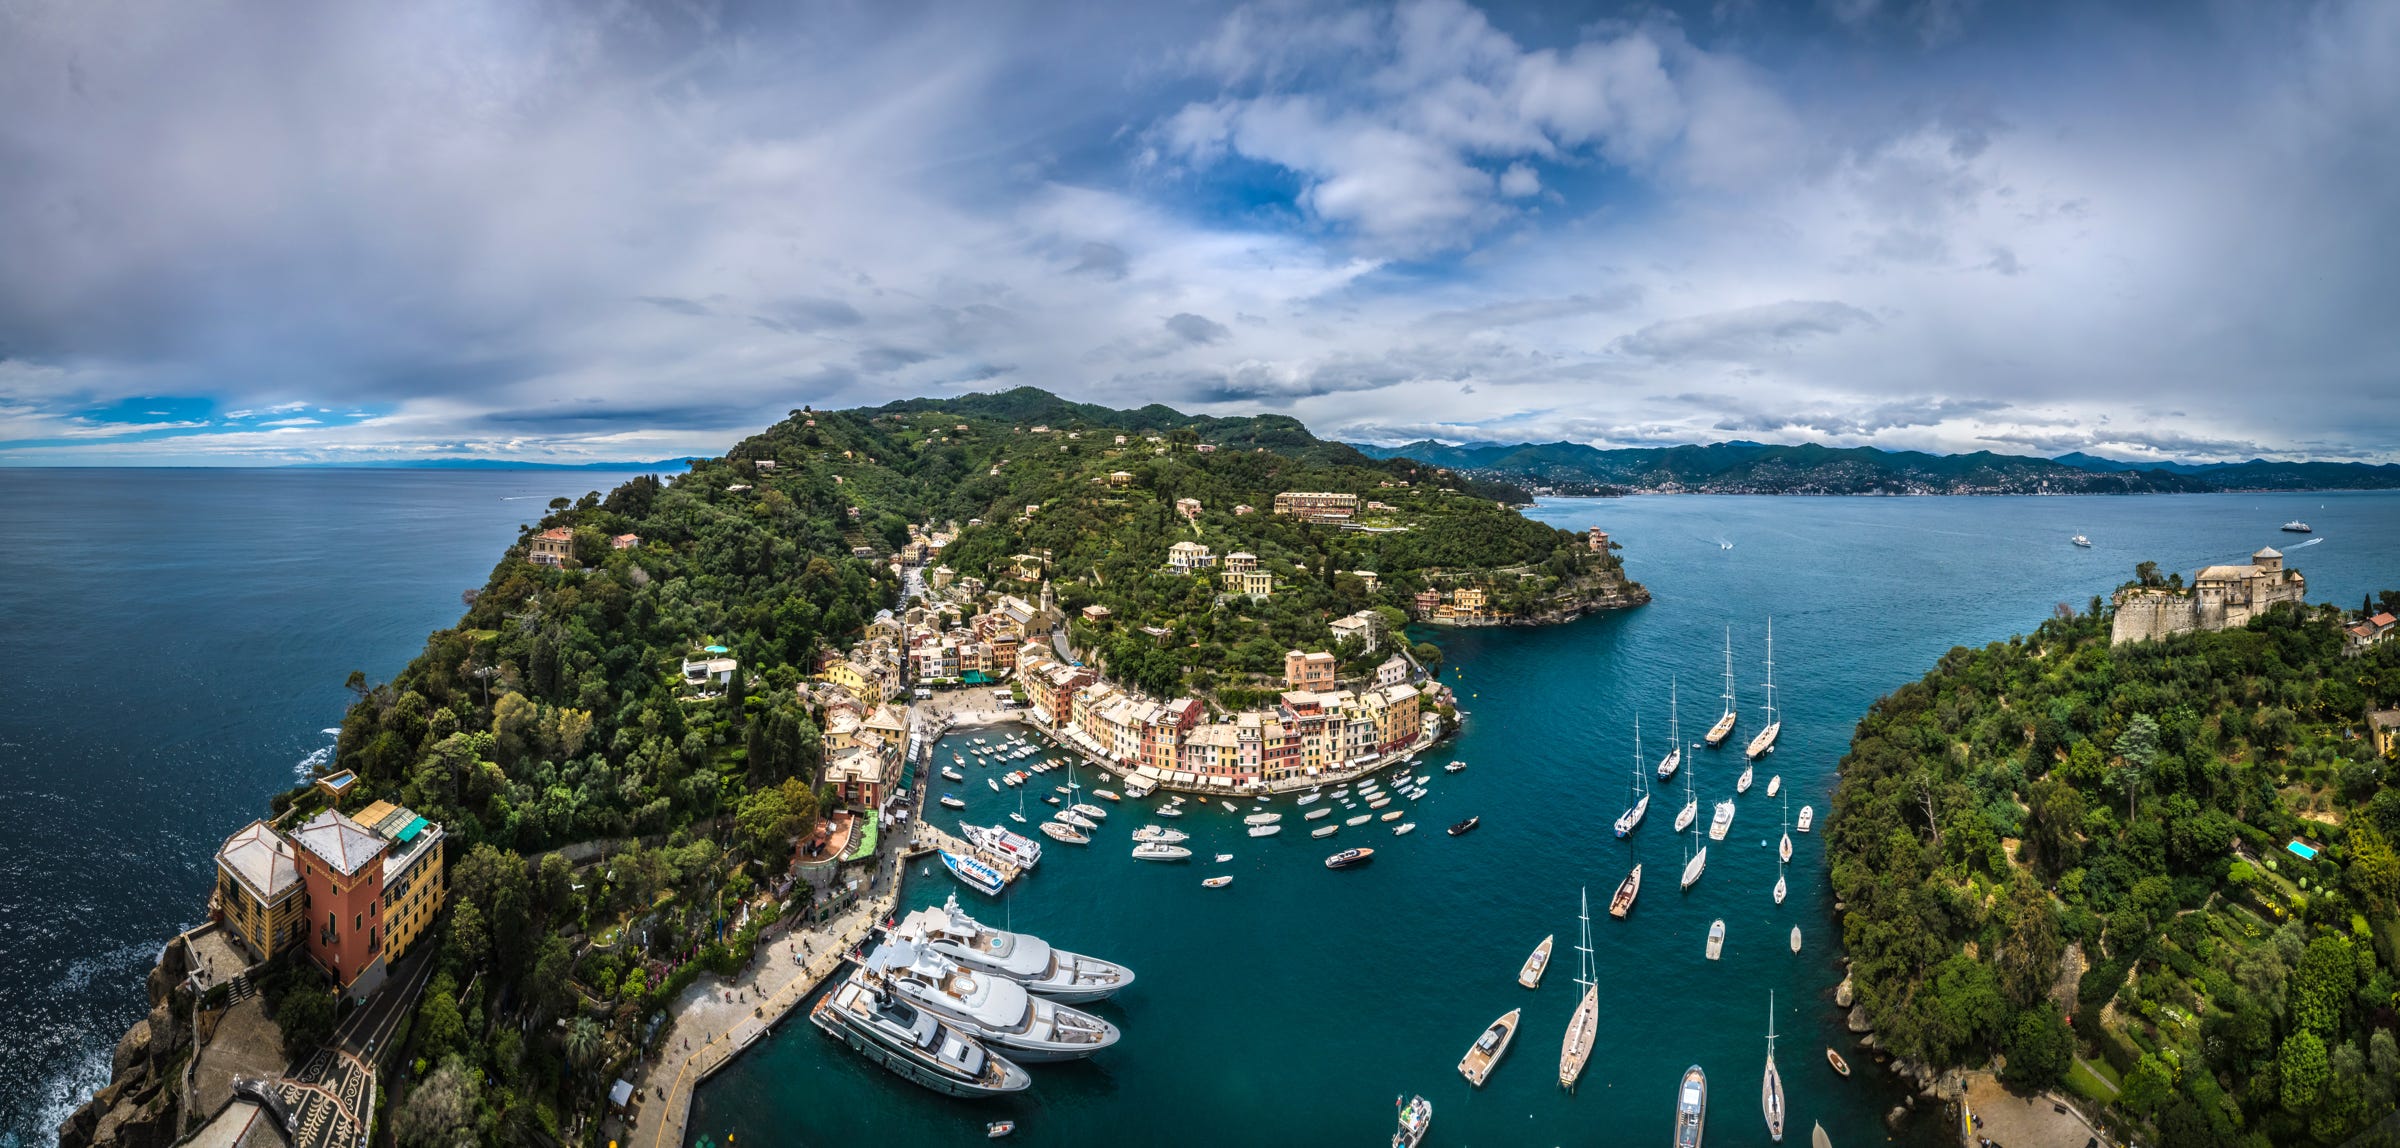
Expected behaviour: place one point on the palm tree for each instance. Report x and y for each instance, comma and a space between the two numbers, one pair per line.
583, 1042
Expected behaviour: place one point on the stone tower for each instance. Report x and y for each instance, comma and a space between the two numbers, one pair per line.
1049, 602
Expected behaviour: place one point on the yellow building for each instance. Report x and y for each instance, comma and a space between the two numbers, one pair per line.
852, 677
414, 884
259, 895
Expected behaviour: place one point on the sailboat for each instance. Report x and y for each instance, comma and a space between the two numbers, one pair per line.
1699, 859
1576, 1048
1674, 758
1627, 890
1019, 815
1770, 1093
1724, 727
1764, 743
1787, 851
1641, 796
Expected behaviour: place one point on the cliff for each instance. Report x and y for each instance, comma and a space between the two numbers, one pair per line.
142, 1107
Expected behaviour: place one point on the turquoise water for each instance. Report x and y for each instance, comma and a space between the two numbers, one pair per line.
1290, 1007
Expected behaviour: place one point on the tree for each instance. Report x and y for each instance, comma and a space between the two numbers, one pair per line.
2302, 1068
306, 1019
2138, 746
584, 1039
2028, 956
2323, 983
549, 988
2040, 1049
440, 1113
440, 1029
2148, 1086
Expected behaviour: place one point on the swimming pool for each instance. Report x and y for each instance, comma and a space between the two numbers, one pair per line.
2306, 851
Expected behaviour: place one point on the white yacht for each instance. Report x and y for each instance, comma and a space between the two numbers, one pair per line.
1159, 851
1774, 785
1016, 848
1697, 863
1770, 1092
914, 1044
1674, 759
1262, 819
1764, 743
1742, 784
1632, 817
1090, 810
1722, 821
1691, 1108
1020, 957
1161, 834
1724, 728
1057, 831
1077, 820
1808, 817
993, 1008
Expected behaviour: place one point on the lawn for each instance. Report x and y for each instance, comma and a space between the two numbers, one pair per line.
2096, 1082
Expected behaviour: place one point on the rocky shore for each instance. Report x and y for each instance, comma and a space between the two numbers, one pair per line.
142, 1106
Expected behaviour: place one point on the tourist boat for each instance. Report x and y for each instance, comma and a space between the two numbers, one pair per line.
1774, 785
1454, 767
1742, 784
1416, 1115
1394, 814
1627, 890
1489, 1048
1722, 821
1403, 829
1724, 728
1106, 795
1090, 810
996, 1010
1262, 819
1537, 963
1361, 819
1159, 851
1795, 938
1015, 848
1575, 1048
975, 874
1808, 815
1217, 882
950, 801
1318, 814
2296, 526
998, 1128
1069, 978
1835, 1059
1063, 832
1348, 857
1161, 834
1716, 938
2081, 541
1310, 797
1323, 831
1691, 1108
1465, 827
1674, 760
1077, 820
914, 1045
953, 774
1770, 1090
1265, 830
1631, 819
1224, 857
1764, 743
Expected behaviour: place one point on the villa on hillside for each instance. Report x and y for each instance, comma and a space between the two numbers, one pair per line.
1189, 557
1309, 671
1317, 506
551, 547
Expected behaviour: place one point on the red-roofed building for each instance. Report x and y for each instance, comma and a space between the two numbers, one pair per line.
551, 547
2365, 634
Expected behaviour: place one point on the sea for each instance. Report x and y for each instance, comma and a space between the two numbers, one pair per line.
173, 646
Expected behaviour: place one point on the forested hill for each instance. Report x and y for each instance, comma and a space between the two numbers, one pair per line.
1759, 468
2051, 802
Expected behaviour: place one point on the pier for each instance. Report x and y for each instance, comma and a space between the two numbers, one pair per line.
926, 837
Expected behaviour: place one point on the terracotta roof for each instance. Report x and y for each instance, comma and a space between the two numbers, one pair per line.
559, 534
340, 842
2382, 620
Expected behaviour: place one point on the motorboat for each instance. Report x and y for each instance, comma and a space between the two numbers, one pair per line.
1021, 957
978, 875
1489, 1048
1721, 821
1394, 814
2296, 526
1361, 819
1808, 816
1262, 819
1160, 851
1059, 831
1310, 798
1691, 1108
999, 1128
1016, 848
1348, 857
1465, 827
1627, 890
953, 774
1416, 1115
1161, 834
1224, 857
1774, 785
1454, 767
1265, 830
1379, 803
1742, 783
1716, 938
1229, 806
1090, 810
914, 1044
1217, 882
1403, 829
951, 801
2081, 541
995, 1009
1324, 831
1107, 795
1077, 820
1052, 799
1169, 811
1537, 963
1318, 814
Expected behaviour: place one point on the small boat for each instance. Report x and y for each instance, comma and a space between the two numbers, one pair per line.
1394, 814
1106, 795
1061, 789
1716, 938
1160, 833
951, 802
1818, 1138
1627, 890
1224, 857
2081, 541
1230, 807
1489, 1048
1465, 827
1795, 938
1310, 798
1743, 784
1019, 818
998, 1128
1052, 799
1319, 814
1169, 811
2296, 526
1217, 882
1262, 819
1060, 831
1159, 851
1361, 819
1401, 830
1416, 1115
1779, 888
1323, 831
1077, 820
1265, 830
1089, 810
1835, 1059
1417, 794
1787, 848
994, 784
958, 759
1379, 803
1808, 816
1774, 785
953, 774
977, 875
1348, 857
1341, 793
1723, 820
1669, 764
1454, 767
1536, 964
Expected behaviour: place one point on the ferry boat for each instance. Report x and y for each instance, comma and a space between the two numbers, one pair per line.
1323, 831
1674, 759
2296, 526
1159, 851
977, 875
1536, 964
1265, 830
1403, 829
915, 1046
1575, 1048
1691, 1108
1724, 728
1764, 743
1416, 1115
1488, 1048
1722, 821
1217, 882
1716, 938
1465, 827
1022, 851
994, 1009
1059, 831
950, 801
1808, 816
1770, 1092
1627, 890
2081, 541
1348, 857
1070, 978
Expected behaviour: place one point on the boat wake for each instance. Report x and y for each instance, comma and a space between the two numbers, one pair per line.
2310, 542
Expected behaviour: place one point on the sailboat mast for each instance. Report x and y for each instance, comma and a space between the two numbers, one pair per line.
1729, 669
1583, 971
1770, 670
1674, 717
1637, 744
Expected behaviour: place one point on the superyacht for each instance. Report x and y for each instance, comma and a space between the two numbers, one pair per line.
996, 1010
1016, 848
1764, 743
1724, 727
914, 1045
1020, 957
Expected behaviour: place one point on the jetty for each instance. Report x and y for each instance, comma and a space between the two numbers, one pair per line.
926, 837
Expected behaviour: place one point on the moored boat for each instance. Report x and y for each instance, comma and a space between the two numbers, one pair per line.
1394, 814
915, 1045
1016, 848
1404, 829
1537, 963
1716, 938
1262, 819
1311, 797
1348, 857
1835, 1059
1787, 847
1416, 1115
1489, 1047
1774, 785
2081, 541
1795, 938
999, 1011
1265, 830
1107, 795
1575, 1048
1724, 728
1627, 890
1361, 819
1077, 820
951, 801
1217, 882
1691, 1108
1324, 831
1379, 802
1669, 764
1808, 815
998, 1128
1021, 957
1764, 743
1160, 851
1318, 814
1090, 810
2296, 526
1463, 828
1770, 1090
1066, 833
1161, 834
953, 774
1454, 767
1722, 821
1742, 784
976, 874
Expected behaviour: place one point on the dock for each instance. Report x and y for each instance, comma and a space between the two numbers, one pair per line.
924, 838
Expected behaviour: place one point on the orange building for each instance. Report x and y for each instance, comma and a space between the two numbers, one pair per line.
341, 865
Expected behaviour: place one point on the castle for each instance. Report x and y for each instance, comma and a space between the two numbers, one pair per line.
2221, 597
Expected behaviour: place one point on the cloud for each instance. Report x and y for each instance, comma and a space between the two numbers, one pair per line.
1198, 328
1743, 332
1519, 312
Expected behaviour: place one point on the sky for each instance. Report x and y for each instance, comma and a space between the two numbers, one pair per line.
264, 233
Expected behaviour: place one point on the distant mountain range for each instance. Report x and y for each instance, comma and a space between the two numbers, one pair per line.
664, 464
1760, 468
